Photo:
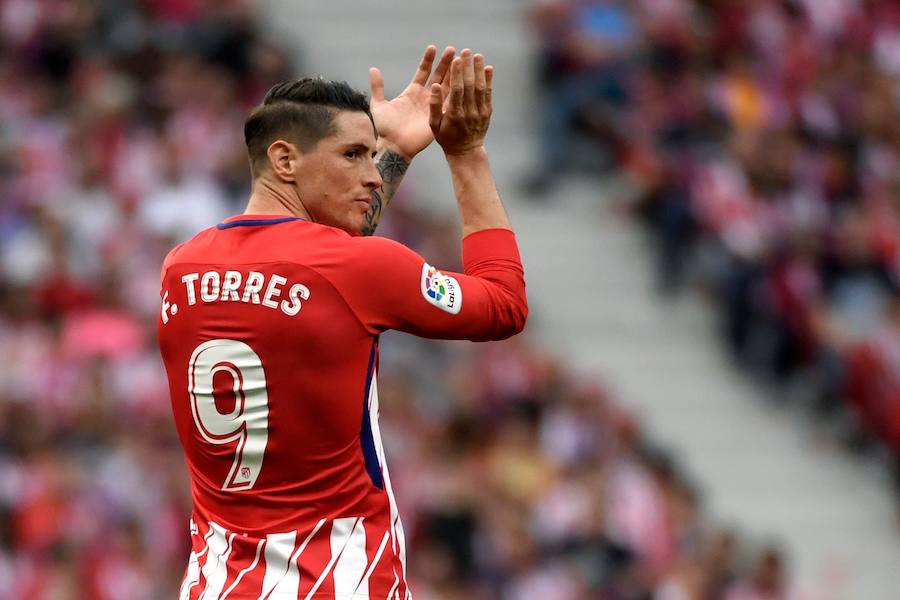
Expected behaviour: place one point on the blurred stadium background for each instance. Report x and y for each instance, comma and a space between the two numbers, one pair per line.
706, 404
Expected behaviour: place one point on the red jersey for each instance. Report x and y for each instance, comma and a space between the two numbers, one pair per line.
269, 333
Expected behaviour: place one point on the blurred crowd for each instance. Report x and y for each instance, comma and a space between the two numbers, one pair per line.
762, 138
120, 126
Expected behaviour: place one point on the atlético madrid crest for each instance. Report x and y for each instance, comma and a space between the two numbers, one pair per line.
441, 290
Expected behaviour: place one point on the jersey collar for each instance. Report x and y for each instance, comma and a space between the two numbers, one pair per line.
255, 220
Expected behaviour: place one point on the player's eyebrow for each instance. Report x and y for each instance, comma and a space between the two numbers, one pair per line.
359, 147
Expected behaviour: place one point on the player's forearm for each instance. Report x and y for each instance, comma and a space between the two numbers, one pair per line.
476, 193
392, 165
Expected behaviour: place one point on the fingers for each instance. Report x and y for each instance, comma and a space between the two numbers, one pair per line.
445, 90
443, 66
480, 82
468, 81
489, 88
424, 70
460, 105
435, 106
456, 87
376, 81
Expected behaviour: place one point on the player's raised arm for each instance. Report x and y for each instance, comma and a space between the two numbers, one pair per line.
485, 302
460, 123
403, 127
389, 286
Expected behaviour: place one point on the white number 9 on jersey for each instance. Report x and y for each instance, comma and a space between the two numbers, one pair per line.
248, 421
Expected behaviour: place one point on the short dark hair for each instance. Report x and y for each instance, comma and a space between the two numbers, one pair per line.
300, 111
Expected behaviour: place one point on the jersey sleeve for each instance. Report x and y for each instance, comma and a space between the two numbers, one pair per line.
389, 286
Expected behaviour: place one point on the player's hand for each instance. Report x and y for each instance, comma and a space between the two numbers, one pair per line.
403, 121
460, 119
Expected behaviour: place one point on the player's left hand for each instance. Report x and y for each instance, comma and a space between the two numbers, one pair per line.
403, 121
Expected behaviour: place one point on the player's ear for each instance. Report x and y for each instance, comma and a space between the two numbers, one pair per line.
283, 158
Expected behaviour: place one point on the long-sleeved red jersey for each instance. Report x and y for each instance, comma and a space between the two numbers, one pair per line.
269, 333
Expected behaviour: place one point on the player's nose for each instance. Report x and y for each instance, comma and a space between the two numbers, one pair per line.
373, 177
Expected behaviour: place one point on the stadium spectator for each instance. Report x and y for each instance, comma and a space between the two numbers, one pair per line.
766, 582
584, 68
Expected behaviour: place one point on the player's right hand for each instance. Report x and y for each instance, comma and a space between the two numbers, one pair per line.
403, 121
460, 121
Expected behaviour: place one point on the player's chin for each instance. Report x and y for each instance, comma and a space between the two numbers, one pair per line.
356, 220
360, 209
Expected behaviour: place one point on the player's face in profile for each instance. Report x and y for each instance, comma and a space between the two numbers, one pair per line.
339, 173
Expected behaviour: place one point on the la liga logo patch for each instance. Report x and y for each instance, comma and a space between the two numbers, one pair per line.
441, 290
436, 288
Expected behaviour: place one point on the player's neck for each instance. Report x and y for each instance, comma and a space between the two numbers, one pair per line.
268, 198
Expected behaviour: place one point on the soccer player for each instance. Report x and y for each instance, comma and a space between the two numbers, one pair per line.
270, 321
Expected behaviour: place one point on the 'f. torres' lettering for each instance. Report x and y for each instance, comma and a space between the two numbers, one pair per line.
255, 287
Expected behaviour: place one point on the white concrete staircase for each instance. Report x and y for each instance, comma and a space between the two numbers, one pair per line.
589, 275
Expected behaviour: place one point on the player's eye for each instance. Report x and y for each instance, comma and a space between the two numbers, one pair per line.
374, 153
350, 154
